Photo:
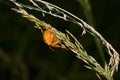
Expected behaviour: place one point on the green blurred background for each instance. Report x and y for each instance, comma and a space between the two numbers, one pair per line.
25, 56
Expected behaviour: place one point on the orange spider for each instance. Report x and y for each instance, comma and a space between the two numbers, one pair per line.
51, 40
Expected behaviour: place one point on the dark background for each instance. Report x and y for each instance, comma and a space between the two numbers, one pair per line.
25, 56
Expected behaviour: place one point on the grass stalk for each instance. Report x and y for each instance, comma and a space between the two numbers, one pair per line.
75, 47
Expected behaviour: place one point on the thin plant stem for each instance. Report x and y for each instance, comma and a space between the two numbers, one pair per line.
53, 10
75, 46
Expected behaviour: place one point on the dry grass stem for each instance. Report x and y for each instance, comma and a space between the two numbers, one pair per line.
75, 47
